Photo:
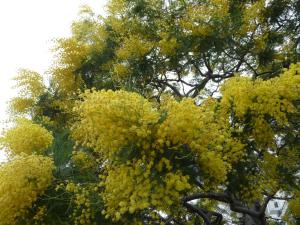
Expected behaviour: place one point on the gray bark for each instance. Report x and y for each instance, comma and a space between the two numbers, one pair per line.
255, 220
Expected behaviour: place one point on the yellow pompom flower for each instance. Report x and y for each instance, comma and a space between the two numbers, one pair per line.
20, 104
258, 98
131, 188
70, 54
83, 161
197, 18
199, 128
22, 180
30, 86
294, 205
134, 47
29, 83
26, 137
110, 120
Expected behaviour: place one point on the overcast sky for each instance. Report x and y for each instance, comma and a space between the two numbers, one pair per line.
27, 29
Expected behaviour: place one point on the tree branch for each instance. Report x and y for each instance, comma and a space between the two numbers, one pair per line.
222, 197
197, 211
244, 210
198, 87
174, 89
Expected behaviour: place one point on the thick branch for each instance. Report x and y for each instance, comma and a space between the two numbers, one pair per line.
244, 210
283, 198
174, 89
222, 197
197, 211
198, 87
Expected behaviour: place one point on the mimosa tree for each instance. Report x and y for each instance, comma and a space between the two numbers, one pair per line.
161, 112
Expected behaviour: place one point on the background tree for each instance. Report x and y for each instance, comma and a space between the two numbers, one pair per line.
129, 148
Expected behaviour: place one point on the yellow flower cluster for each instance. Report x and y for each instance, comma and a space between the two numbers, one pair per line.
82, 213
133, 47
22, 180
267, 179
252, 192
130, 188
269, 173
40, 215
88, 36
26, 137
252, 15
236, 93
46, 121
29, 83
167, 44
260, 43
259, 98
111, 120
294, 205
83, 161
120, 71
70, 54
116, 7
30, 86
203, 131
19, 105
89, 29
197, 19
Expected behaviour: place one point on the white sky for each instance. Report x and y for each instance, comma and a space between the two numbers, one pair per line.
27, 29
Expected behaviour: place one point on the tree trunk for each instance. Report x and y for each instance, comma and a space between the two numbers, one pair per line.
249, 220
256, 220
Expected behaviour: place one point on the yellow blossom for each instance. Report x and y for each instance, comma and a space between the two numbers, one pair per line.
22, 180
110, 120
26, 137
82, 160
30, 86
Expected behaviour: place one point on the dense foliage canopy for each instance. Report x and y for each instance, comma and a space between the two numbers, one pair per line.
161, 112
